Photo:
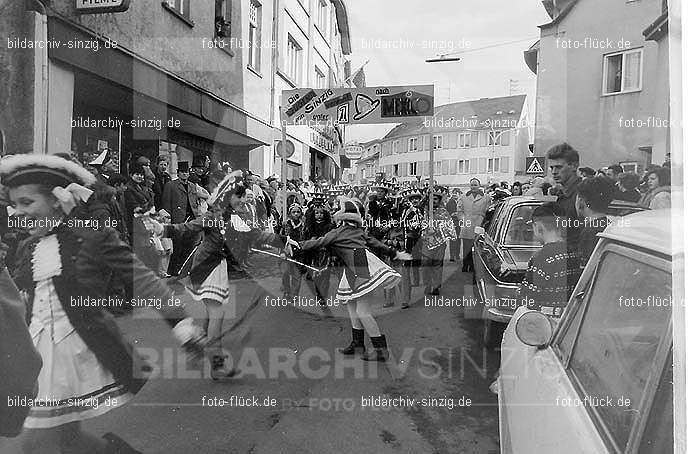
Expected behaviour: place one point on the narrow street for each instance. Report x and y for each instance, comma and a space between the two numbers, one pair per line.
291, 358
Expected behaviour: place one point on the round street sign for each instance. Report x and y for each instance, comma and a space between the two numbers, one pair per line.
280, 149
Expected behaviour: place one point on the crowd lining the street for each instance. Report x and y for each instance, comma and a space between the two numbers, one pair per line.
206, 224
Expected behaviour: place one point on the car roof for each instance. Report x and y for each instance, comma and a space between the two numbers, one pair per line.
650, 229
516, 199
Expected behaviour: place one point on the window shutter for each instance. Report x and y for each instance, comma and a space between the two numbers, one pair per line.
504, 164
453, 167
419, 168
482, 165
426, 170
472, 165
445, 167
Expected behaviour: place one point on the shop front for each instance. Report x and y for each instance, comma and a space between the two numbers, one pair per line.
111, 99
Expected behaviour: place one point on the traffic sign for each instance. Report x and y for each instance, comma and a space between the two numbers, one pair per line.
535, 165
368, 105
280, 148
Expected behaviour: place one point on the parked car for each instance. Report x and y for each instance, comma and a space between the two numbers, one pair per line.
600, 379
502, 248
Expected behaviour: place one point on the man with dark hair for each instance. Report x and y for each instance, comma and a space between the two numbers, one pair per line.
627, 187
563, 163
553, 271
594, 196
613, 171
162, 177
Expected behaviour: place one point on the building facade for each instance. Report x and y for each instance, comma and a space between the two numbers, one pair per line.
178, 77
486, 139
313, 49
597, 82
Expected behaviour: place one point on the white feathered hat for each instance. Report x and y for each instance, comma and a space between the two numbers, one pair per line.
20, 169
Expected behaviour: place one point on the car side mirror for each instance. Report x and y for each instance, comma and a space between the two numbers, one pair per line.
533, 328
478, 230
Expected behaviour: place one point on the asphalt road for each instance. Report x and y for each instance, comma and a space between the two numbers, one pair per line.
297, 395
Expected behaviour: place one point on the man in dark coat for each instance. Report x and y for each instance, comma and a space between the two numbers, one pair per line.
180, 200
162, 178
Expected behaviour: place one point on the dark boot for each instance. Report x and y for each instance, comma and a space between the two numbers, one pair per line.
357, 344
380, 352
218, 368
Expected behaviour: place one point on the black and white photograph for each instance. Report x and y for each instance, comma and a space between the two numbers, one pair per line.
345, 226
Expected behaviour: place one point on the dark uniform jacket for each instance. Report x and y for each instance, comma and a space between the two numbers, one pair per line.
87, 257
345, 242
221, 240
159, 187
176, 197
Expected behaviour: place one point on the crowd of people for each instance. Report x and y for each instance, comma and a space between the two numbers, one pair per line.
150, 230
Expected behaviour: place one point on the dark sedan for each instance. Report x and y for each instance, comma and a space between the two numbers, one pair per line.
502, 248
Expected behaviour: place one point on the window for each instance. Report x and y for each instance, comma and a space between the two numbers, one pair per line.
464, 140
254, 34
413, 144
412, 168
483, 138
493, 165
322, 16
616, 334
437, 142
396, 169
293, 60
622, 72
463, 166
395, 147
493, 137
437, 170
520, 231
504, 138
222, 19
320, 79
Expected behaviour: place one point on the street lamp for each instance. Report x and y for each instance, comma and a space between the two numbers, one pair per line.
442, 58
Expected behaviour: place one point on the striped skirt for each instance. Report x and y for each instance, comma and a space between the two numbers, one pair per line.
381, 276
215, 286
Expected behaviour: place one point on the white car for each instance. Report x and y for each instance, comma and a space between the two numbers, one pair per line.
600, 379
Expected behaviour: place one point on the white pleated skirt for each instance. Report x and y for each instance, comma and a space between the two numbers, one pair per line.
381, 276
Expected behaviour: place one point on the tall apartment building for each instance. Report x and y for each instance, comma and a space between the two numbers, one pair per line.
179, 77
308, 46
486, 139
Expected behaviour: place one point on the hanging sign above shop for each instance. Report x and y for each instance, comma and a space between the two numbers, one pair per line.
101, 6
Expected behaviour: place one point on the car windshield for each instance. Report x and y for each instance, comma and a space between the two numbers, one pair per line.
520, 232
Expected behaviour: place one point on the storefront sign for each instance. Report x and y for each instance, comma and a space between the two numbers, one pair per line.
368, 105
352, 151
101, 6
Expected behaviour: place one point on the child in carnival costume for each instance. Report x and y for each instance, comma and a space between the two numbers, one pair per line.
226, 235
61, 266
363, 272
412, 224
319, 222
291, 272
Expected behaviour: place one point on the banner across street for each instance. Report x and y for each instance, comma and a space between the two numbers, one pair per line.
368, 105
